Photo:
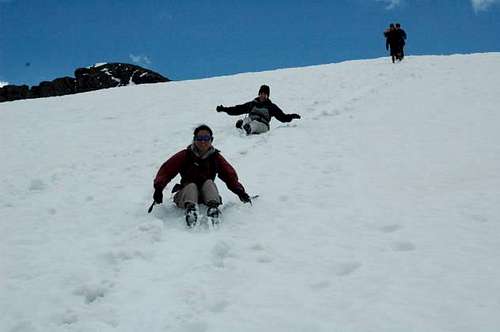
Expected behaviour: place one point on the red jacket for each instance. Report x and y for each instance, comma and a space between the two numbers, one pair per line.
194, 169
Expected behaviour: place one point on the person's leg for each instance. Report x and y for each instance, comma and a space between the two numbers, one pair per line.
393, 53
187, 195
255, 127
258, 127
186, 199
246, 120
245, 125
210, 194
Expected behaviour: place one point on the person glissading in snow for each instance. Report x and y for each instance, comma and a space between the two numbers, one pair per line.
260, 111
198, 165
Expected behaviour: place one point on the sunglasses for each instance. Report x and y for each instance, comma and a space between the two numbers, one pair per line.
203, 138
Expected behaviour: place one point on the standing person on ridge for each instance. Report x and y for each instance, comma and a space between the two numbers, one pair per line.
393, 40
402, 40
198, 164
260, 111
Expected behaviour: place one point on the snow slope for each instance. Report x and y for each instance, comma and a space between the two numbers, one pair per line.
379, 210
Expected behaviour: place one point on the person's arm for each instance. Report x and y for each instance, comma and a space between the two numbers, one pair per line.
228, 175
280, 115
169, 170
236, 110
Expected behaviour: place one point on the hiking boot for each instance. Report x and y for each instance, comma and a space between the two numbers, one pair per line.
247, 128
213, 214
191, 215
239, 123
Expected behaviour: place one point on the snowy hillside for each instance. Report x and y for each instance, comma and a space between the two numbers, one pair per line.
379, 210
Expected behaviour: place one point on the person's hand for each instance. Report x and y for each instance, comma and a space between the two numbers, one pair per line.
295, 116
244, 198
219, 108
158, 196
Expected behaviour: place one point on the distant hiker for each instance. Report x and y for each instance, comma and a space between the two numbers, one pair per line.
393, 40
198, 164
402, 36
260, 111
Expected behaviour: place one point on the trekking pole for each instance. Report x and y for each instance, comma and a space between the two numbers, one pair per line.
151, 207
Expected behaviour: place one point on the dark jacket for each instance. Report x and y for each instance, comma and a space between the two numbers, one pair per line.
402, 36
197, 169
260, 111
394, 40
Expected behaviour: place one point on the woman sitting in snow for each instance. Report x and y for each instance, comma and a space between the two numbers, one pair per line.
198, 164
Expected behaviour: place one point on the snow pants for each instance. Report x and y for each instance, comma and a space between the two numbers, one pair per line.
256, 127
207, 194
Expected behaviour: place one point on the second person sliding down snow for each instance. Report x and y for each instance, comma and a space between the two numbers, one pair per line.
260, 111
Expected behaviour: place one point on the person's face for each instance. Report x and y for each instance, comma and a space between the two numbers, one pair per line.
203, 140
263, 96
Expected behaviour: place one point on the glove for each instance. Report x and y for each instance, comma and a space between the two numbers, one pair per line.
158, 196
244, 198
295, 116
219, 108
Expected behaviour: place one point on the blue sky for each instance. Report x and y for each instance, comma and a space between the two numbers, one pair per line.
43, 40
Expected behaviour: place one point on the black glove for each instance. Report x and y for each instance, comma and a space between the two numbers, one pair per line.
158, 196
295, 116
219, 108
244, 198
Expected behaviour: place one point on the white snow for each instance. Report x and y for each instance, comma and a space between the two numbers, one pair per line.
379, 210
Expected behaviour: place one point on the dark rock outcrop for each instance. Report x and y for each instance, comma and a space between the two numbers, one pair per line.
14, 92
98, 77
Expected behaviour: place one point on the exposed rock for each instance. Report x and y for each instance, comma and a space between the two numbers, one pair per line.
14, 92
64, 86
102, 76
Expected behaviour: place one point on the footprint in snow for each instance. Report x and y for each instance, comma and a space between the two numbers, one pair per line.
257, 247
219, 306
68, 317
93, 292
284, 198
346, 268
220, 252
264, 259
37, 185
390, 228
320, 285
402, 246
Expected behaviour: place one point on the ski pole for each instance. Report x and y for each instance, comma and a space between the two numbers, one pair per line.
253, 197
151, 207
